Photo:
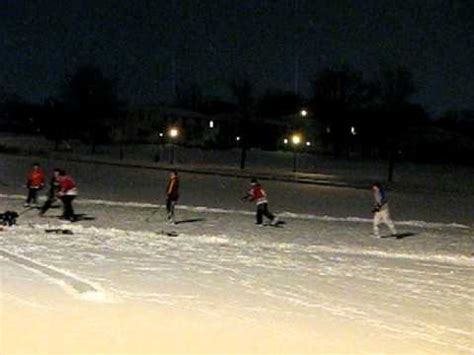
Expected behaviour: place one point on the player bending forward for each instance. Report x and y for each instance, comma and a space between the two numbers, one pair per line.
257, 194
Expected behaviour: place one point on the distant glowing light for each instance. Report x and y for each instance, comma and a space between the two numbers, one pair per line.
304, 113
237, 138
296, 139
308, 144
353, 131
211, 124
285, 140
173, 133
161, 134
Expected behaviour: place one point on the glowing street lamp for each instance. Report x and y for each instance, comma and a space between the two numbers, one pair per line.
160, 142
303, 113
173, 133
295, 140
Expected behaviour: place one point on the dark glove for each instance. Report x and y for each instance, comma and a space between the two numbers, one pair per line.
376, 208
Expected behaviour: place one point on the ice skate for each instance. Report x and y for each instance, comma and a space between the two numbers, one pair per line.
170, 220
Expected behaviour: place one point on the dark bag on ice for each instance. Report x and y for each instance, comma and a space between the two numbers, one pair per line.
8, 218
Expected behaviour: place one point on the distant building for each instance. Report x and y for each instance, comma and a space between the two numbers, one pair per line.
151, 123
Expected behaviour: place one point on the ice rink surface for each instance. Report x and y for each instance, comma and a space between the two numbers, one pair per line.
123, 281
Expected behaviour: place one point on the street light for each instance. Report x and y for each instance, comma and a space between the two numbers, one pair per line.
304, 113
158, 151
296, 140
173, 133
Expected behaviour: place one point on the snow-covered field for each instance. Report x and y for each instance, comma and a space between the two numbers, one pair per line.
122, 282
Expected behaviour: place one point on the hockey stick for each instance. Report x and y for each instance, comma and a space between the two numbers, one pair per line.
151, 215
25, 210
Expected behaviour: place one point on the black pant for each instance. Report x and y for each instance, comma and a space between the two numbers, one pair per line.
32, 195
68, 211
48, 203
170, 208
262, 210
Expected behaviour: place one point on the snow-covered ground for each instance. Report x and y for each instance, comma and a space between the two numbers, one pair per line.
122, 282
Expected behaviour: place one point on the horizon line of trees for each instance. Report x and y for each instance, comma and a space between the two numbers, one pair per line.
348, 113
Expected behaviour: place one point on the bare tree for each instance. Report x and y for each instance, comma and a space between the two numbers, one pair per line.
92, 102
243, 92
396, 87
337, 94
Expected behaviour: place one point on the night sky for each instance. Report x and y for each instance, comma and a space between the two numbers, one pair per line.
151, 45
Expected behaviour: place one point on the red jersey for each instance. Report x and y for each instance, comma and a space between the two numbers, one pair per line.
172, 190
257, 194
35, 179
67, 186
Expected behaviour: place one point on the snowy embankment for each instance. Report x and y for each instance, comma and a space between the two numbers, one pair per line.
318, 284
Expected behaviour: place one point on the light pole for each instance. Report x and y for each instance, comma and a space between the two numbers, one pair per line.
295, 140
158, 147
173, 133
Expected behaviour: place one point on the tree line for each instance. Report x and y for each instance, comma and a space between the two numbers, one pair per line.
348, 114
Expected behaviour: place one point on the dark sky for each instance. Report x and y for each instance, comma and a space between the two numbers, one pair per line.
150, 44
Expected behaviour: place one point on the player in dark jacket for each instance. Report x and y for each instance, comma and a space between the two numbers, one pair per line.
52, 193
172, 195
257, 194
381, 211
